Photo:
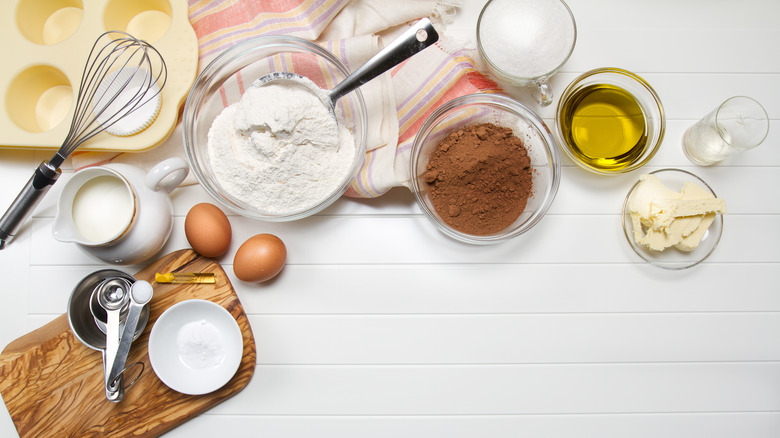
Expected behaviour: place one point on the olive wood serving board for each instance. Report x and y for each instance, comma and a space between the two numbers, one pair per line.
52, 384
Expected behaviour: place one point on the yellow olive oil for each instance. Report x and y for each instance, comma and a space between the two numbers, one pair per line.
604, 127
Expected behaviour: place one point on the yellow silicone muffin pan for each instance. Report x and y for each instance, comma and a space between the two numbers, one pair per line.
47, 43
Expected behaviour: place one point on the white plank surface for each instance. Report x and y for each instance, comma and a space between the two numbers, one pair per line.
380, 326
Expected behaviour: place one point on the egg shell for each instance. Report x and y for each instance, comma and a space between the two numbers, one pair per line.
260, 258
208, 230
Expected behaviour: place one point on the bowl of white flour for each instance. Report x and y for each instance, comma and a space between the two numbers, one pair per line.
274, 151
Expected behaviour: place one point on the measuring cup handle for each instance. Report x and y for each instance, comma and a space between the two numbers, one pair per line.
413, 41
157, 178
543, 93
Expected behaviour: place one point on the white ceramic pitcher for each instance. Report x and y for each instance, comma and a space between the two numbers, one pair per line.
117, 212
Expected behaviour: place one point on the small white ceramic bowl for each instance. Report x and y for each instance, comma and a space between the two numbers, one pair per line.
195, 347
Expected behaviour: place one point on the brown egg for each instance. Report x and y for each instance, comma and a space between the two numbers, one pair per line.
260, 258
208, 230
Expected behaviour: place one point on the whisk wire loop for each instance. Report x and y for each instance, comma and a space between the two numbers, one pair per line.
104, 96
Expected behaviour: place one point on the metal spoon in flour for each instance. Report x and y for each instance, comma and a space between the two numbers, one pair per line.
411, 42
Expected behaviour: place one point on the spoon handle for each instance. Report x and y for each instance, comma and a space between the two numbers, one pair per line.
110, 352
140, 295
414, 40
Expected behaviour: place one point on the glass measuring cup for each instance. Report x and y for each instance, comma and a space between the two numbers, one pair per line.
525, 42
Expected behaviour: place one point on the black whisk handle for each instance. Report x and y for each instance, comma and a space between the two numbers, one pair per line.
32, 193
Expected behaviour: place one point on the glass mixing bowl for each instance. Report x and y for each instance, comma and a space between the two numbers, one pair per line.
499, 110
223, 82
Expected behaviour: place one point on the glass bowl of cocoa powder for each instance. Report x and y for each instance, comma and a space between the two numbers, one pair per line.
484, 168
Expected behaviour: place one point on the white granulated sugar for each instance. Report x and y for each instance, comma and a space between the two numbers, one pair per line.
279, 149
527, 38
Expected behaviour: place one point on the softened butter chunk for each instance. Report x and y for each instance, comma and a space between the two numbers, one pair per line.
680, 228
671, 218
664, 211
691, 241
649, 188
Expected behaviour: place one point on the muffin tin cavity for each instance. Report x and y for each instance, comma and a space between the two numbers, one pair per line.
147, 20
39, 98
48, 43
49, 22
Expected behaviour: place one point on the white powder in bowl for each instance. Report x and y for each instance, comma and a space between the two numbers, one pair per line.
526, 38
279, 149
200, 345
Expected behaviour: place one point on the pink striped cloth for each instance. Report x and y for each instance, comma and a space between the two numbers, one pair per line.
398, 102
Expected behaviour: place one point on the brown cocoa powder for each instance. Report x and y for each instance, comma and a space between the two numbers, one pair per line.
479, 179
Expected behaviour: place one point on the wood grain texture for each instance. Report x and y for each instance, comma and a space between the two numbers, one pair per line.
53, 385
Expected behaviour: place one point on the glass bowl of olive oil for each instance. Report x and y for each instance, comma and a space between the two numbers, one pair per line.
610, 121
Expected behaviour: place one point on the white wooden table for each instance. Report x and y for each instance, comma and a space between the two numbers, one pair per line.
381, 326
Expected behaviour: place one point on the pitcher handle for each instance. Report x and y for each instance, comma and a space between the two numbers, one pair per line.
158, 177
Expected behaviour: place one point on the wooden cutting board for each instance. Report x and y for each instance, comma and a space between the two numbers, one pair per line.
52, 384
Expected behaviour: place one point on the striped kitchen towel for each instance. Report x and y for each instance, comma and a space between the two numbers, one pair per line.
354, 30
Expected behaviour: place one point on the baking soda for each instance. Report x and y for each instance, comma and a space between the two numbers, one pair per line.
527, 38
200, 345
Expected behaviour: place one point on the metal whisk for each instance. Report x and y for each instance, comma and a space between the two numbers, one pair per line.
104, 98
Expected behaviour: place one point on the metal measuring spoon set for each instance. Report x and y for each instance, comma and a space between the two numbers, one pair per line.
107, 311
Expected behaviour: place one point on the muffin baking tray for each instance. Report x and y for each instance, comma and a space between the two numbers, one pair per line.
47, 44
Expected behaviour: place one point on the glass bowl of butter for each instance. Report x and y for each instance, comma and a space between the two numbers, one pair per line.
672, 219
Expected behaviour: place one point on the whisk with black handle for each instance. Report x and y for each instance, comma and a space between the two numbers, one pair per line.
104, 98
